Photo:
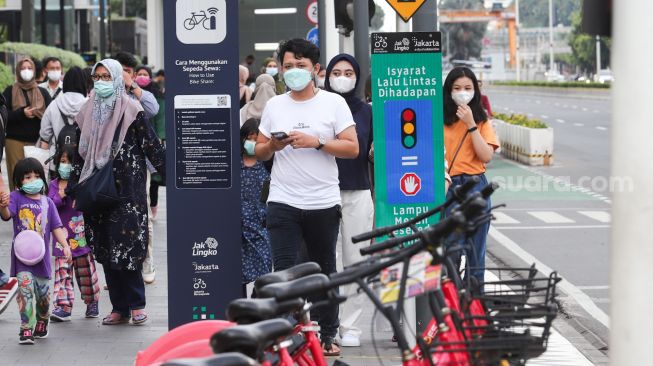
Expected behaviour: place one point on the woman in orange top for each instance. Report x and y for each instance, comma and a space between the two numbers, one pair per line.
470, 141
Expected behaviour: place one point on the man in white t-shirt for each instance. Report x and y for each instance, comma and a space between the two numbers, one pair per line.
305, 130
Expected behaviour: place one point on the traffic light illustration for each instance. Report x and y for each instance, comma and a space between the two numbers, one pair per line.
408, 128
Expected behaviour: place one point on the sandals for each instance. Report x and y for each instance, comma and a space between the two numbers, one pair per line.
112, 319
330, 348
139, 319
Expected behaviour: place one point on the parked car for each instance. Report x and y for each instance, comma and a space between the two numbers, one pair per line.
604, 76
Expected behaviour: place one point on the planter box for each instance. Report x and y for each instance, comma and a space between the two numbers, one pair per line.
532, 146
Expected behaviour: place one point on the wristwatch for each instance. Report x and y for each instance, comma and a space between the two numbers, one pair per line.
321, 140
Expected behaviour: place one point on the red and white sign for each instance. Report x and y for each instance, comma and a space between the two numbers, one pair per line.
311, 12
410, 184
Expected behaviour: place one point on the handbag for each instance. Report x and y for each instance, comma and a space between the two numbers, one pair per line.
98, 193
37, 153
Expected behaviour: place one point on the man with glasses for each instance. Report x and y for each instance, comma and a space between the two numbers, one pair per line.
305, 130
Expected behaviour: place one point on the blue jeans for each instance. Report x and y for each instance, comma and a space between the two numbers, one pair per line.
4, 278
289, 229
476, 254
126, 290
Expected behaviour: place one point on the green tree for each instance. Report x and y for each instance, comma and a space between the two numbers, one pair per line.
583, 47
464, 39
535, 13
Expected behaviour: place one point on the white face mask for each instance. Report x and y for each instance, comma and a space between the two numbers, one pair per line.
320, 83
27, 74
54, 75
342, 84
272, 71
462, 97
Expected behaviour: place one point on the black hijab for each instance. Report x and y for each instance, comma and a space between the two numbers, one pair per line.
354, 102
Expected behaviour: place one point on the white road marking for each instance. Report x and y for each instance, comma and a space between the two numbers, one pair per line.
560, 120
574, 106
584, 109
579, 124
556, 227
596, 111
501, 218
601, 128
544, 116
574, 292
551, 217
606, 287
601, 216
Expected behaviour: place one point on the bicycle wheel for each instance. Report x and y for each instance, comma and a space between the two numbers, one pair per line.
189, 24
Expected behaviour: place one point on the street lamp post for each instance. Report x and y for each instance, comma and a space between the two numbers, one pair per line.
550, 36
517, 40
598, 54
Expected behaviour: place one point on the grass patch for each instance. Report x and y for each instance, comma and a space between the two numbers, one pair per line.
520, 120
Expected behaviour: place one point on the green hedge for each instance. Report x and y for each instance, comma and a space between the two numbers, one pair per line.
6, 76
39, 52
520, 120
566, 84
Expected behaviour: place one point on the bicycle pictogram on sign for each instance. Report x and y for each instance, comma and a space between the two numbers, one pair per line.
197, 18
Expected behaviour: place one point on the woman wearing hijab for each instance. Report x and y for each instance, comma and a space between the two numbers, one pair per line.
66, 105
245, 91
118, 236
342, 77
265, 90
26, 103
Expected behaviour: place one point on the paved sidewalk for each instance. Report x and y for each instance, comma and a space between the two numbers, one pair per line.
86, 342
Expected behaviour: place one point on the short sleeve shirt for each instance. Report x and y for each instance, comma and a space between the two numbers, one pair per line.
466, 162
27, 214
306, 178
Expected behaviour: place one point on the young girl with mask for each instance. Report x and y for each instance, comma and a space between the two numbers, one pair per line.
256, 249
83, 262
35, 217
470, 142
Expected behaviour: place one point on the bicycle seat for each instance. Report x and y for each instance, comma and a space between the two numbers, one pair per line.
292, 273
301, 287
251, 340
248, 311
225, 359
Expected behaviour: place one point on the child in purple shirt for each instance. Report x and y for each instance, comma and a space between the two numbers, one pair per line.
83, 262
31, 209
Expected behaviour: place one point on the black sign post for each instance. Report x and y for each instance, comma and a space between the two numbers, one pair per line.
203, 158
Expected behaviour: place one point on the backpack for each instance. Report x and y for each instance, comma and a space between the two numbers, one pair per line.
68, 136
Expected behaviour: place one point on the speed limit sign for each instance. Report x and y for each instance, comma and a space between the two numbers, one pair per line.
311, 12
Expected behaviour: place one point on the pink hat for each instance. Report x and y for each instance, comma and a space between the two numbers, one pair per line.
29, 247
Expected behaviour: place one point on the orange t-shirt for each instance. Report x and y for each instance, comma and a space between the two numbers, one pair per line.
467, 162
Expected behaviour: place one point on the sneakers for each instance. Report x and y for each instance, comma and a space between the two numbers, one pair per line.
92, 310
60, 315
7, 292
350, 339
41, 329
26, 337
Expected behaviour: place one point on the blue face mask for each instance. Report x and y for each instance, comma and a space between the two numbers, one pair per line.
64, 170
249, 146
103, 88
297, 79
33, 187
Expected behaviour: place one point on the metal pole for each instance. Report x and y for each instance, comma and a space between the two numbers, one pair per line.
44, 23
124, 8
403, 26
550, 36
517, 40
426, 18
321, 30
362, 42
598, 54
103, 31
62, 24
631, 294
27, 21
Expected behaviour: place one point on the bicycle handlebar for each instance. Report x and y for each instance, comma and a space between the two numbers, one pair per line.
459, 194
